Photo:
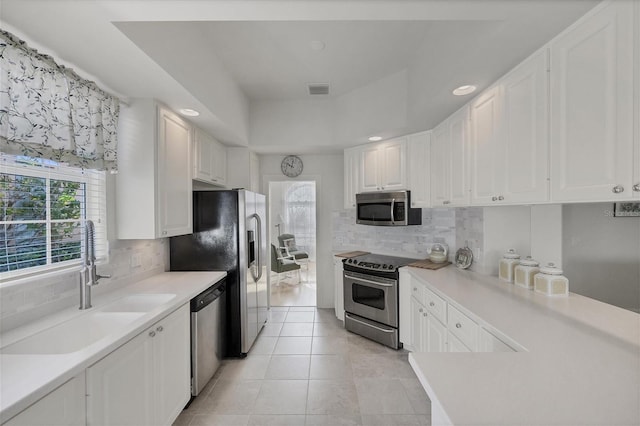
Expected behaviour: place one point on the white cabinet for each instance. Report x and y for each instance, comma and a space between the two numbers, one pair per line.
338, 302
436, 334
145, 381
488, 342
509, 142
383, 166
153, 194
462, 327
449, 160
63, 406
592, 76
351, 177
418, 326
419, 170
243, 169
636, 166
455, 345
209, 159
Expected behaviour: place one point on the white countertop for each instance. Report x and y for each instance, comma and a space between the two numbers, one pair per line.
582, 364
26, 378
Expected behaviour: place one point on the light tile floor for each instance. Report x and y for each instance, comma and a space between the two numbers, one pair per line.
291, 292
306, 369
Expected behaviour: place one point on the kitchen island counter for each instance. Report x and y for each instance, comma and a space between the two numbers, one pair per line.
581, 364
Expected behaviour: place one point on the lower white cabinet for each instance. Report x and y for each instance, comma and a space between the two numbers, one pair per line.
63, 406
428, 334
436, 334
338, 287
488, 342
455, 345
418, 326
147, 380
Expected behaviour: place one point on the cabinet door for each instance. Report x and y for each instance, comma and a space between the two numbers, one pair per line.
458, 158
174, 175
393, 159
203, 155
351, 175
63, 406
418, 330
636, 167
525, 124
370, 169
171, 354
120, 386
486, 147
419, 176
440, 164
456, 345
592, 107
487, 342
338, 288
219, 161
436, 334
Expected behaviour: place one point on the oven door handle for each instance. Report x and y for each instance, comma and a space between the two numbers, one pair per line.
368, 325
393, 202
367, 281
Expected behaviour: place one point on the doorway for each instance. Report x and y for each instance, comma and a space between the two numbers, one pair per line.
292, 227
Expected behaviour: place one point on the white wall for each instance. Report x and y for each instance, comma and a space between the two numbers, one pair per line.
327, 172
505, 227
602, 254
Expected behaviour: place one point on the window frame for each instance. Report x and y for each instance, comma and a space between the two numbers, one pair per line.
95, 183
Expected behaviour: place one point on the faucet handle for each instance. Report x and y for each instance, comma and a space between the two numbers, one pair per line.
98, 276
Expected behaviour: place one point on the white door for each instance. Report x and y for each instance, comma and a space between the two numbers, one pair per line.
458, 158
436, 335
486, 147
419, 176
370, 165
393, 175
351, 175
592, 107
174, 175
417, 326
440, 188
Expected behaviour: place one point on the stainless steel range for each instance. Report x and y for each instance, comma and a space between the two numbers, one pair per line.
371, 296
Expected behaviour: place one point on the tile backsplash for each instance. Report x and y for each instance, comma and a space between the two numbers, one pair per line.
456, 227
129, 261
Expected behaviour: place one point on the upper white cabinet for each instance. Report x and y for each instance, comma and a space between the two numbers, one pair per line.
153, 194
383, 166
351, 176
147, 380
419, 173
509, 142
636, 167
243, 169
592, 76
449, 161
209, 159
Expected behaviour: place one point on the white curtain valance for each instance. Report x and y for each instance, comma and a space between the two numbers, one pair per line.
48, 111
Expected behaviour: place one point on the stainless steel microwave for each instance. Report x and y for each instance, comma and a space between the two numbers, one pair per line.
387, 208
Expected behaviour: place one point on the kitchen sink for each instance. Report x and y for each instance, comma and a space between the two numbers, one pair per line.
73, 335
138, 302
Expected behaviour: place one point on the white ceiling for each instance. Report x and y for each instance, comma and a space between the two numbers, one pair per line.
221, 56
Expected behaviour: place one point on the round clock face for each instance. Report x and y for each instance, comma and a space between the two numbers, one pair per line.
291, 166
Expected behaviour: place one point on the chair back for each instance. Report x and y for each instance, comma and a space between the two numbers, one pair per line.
288, 241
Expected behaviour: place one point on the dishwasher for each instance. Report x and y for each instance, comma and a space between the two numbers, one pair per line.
207, 335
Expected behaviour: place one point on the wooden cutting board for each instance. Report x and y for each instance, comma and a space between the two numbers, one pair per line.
427, 264
351, 254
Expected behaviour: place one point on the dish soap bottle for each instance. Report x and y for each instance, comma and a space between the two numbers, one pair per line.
507, 265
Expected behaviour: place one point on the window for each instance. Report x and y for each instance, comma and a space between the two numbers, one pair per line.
43, 206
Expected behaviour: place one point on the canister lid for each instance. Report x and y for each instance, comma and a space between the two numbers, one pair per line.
511, 254
528, 261
550, 269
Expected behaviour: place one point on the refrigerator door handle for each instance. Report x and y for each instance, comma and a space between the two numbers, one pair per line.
258, 246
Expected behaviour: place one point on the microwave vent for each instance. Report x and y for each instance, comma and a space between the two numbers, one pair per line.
318, 88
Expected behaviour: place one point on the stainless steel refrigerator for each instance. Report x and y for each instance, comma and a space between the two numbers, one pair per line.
230, 235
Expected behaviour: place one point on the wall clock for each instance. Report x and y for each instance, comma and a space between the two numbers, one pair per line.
291, 166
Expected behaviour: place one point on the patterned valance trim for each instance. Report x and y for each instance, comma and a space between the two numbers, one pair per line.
48, 111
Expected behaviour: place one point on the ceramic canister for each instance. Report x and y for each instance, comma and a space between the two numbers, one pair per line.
525, 271
507, 265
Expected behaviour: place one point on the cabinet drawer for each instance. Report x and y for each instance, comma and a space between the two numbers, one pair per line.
455, 345
436, 305
417, 291
463, 327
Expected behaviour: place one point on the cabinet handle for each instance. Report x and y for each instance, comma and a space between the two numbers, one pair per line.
159, 329
446, 202
636, 187
152, 334
420, 309
500, 198
458, 325
425, 314
164, 232
415, 289
432, 304
494, 198
618, 189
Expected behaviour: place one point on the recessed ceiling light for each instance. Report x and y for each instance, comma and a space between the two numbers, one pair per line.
189, 112
317, 45
464, 90
375, 138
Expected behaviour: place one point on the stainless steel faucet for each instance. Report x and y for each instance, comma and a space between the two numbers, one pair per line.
88, 275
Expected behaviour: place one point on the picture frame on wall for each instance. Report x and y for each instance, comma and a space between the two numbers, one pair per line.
626, 210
